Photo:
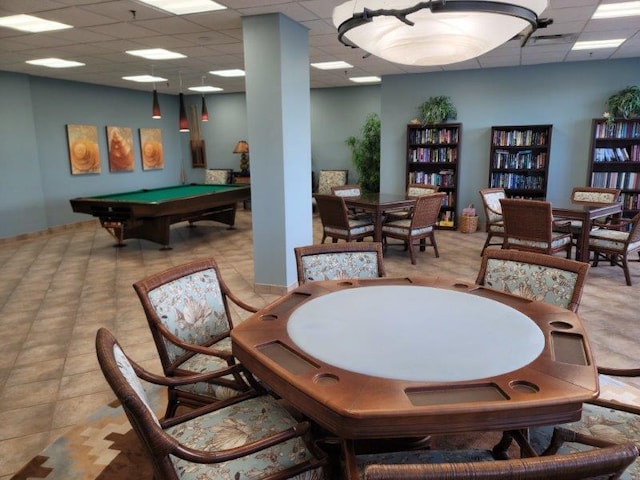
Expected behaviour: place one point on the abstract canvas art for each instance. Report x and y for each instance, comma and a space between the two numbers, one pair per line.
84, 151
151, 148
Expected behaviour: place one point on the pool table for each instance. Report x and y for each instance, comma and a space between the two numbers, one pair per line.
149, 213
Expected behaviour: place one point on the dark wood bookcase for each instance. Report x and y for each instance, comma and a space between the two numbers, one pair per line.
615, 160
519, 159
433, 157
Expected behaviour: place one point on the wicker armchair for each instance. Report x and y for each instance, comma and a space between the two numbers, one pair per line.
250, 436
494, 225
188, 313
529, 226
536, 276
218, 176
616, 242
421, 224
414, 190
330, 261
336, 222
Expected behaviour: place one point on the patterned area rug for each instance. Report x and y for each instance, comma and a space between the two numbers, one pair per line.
106, 448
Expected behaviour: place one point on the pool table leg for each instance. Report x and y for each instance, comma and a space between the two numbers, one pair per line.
116, 230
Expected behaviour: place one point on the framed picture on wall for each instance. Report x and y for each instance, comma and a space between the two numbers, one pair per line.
84, 151
120, 147
151, 148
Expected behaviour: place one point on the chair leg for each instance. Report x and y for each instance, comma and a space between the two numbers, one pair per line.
434, 244
411, 256
625, 267
486, 243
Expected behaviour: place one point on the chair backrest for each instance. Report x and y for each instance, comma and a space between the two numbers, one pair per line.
634, 230
334, 261
218, 176
417, 189
544, 278
331, 178
426, 210
607, 462
333, 211
595, 194
491, 203
187, 302
349, 190
529, 220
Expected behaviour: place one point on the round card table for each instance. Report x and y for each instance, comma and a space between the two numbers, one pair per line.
409, 357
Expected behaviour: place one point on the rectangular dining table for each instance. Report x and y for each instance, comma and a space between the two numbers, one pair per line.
586, 212
377, 204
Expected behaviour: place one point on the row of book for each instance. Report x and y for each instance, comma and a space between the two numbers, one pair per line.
630, 201
518, 138
521, 160
621, 180
517, 181
444, 178
618, 130
619, 154
433, 155
434, 135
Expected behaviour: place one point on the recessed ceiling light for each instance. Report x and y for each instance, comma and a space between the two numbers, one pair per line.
144, 78
156, 54
206, 88
616, 10
54, 63
180, 7
593, 44
235, 72
371, 79
28, 23
338, 65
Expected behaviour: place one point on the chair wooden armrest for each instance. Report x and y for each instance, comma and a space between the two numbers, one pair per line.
560, 223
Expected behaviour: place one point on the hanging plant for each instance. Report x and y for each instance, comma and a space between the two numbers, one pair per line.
365, 152
437, 110
625, 104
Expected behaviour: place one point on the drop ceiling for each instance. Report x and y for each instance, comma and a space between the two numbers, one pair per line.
105, 29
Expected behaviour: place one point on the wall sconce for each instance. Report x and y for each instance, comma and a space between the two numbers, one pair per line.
183, 121
242, 147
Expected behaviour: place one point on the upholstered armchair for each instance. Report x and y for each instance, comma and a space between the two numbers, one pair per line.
413, 190
217, 176
494, 225
331, 178
336, 222
333, 261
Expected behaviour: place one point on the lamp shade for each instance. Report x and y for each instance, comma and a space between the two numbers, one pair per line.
439, 32
155, 111
205, 112
183, 121
241, 147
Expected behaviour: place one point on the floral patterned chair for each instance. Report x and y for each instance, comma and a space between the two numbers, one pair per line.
331, 178
537, 276
249, 436
493, 214
188, 313
333, 261
218, 176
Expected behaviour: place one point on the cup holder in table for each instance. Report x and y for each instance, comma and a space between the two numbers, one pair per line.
522, 386
561, 325
269, 317
460, 285
326, 379
346, 283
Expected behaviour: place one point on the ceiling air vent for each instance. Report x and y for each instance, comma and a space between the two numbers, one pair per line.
558, 39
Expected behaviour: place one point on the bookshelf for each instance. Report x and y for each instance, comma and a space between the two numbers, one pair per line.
519, 159
433, 156
615, 160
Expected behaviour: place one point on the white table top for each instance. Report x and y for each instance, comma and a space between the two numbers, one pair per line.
415, 333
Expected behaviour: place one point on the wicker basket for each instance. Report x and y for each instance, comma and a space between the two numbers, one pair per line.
468, 223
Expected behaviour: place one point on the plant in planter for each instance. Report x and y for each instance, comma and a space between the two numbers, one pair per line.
437, 110
625, 104
365, 153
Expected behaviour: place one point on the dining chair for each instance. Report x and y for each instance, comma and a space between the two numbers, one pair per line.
414, 190
537, 276
603, 460
332, 261
529, 225
249, 436
494, 225
187, 309
615, 242
421, 224
347, 190
331, 178
336, 222
218, 176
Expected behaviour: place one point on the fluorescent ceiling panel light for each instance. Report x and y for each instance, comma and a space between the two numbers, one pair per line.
55, 63
206, 88
185, 7
235, 72
156, 54
617, 10
338, 65
594, 44
365, 79
144, 78
28, 23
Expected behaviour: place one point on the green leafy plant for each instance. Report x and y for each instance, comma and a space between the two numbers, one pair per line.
625, 104
437, 110
365, 153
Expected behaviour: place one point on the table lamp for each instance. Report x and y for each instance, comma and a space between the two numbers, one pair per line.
242, 147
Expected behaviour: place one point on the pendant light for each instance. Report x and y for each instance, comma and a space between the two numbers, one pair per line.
184, 122
155, 110
205, 112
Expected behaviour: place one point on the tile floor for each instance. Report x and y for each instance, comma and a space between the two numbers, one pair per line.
58, 288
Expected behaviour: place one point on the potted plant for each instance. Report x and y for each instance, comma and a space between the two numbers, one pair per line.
437, 110
625, 104
365, 153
